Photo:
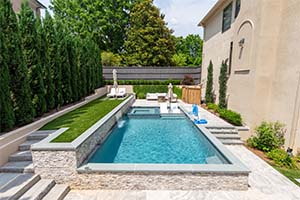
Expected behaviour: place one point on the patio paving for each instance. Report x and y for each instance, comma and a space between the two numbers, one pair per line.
265, 183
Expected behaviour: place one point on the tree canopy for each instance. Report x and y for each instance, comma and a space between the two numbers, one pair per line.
105, 21
149, 40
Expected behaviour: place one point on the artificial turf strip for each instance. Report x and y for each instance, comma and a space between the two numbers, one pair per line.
81, 119
292, 174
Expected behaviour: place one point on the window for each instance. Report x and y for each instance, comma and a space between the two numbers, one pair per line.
230, 58
227, 15
237, 8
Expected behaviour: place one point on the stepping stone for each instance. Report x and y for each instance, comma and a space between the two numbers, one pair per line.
26, 145
21, 156
39, 190
228, 136
18, 186
18, 167
223, 131
231, 142
58, 192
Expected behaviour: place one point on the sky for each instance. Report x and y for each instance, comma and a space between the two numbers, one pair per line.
182, 16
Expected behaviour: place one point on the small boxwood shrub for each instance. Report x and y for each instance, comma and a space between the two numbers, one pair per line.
144, 82
281, 158
231, 117
269, 136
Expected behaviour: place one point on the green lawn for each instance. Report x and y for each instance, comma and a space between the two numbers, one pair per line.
292, 174
81, 119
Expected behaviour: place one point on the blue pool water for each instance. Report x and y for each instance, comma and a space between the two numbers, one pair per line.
164, 140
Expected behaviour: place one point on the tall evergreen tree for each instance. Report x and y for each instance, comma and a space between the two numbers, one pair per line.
31, 55
72, 55
209, 95
223, 85
48, 33
6, 109
82, 59
64, 64
149, 41
18, 73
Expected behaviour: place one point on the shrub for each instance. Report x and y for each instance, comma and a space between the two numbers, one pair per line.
141, 90
269, 136
231, 116
179, 59
281, 158
212, 106
188, 80
144, 82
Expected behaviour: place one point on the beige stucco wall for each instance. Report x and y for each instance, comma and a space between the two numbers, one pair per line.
265, 72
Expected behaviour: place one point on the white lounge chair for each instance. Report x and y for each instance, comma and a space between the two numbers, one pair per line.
112, 93
151, 96
175, 108
164, 108
121, 92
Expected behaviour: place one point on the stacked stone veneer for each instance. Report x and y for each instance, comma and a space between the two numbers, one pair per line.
61, 164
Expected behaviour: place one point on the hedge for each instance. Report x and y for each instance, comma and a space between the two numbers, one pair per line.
144, 82
142, 90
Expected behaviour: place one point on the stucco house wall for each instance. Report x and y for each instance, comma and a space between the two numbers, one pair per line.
265, 72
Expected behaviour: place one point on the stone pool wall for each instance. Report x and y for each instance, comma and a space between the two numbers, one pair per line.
59, 161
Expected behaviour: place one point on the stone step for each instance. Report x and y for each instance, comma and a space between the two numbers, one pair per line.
15, 188
58, 192
223, 131
6, 178
26, 145
39, 135
39, 190
220, 127
228, 136
18, 167
231, 142
21, 156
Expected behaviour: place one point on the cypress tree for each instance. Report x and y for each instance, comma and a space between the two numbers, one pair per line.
72, 54
57, 65
48, 33
82, 68
223, 85
209, 96
6, 109
30, 48
18, 73
64, 63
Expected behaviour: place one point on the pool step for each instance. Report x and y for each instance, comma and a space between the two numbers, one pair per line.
21, 156
18, 167
17, 186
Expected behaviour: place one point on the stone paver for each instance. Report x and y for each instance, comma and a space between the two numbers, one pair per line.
265, 184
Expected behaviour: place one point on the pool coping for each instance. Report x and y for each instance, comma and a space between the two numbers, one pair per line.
234, 167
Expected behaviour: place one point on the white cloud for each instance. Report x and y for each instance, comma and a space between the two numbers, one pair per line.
187, 13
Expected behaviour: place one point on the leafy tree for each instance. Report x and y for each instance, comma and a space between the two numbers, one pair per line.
149, 41
30, 48
48, 33
110, 59
209, 95
6, 109
191, 47
18, 73
223, 86
179, 59
105, 21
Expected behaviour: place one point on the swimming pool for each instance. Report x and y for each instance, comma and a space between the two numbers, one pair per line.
162, 140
